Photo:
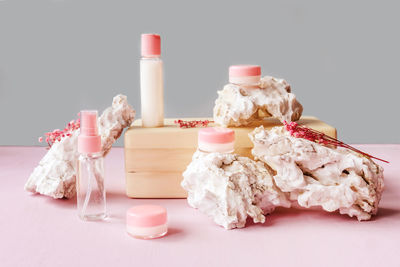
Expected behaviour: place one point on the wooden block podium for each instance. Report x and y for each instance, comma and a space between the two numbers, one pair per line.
155, 158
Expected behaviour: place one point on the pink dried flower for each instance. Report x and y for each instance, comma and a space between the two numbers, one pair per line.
192, 124
57, 134
298, 131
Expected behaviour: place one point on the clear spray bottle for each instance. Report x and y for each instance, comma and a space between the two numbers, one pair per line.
91, 194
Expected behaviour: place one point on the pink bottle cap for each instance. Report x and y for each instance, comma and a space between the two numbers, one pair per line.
89, 140
216, 135
151, 45
244, 70
146, 216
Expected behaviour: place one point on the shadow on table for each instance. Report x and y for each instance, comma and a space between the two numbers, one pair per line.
64, 203
292, 215
113, 199
174, 232
385, 213
116, 196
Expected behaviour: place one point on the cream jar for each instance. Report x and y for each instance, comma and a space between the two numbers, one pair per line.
245, 75
146, 221
216, 139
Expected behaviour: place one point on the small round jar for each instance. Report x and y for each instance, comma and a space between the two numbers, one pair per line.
216, 139
146, 221
245, 75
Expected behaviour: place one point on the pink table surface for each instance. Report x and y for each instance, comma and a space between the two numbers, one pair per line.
40, 231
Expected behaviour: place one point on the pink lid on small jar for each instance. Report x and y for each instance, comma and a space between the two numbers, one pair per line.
146, 216
151, 45
216, 135
244, 70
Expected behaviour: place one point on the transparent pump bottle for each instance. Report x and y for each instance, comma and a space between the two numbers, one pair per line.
91, 194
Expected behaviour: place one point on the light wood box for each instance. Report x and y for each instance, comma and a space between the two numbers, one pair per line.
155, 158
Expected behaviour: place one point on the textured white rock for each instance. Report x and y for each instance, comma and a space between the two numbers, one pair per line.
229, 188
239, 106
316, 175
55, 175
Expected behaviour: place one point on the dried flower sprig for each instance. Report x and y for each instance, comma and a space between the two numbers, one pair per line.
57, 134
192, 124
298, 131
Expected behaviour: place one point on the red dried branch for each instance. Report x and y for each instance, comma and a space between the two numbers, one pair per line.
298, 131
192, 124
57, 134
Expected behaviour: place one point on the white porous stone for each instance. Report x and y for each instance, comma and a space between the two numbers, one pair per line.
229, 188
316, 175
240, 106
56, 173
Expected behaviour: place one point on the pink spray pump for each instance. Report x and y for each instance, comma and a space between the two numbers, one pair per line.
91, 194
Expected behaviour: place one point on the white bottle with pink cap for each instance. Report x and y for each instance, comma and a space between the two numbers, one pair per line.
91, 194
247, 76
151, 82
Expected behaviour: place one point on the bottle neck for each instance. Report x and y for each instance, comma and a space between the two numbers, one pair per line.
89, 144
93, 155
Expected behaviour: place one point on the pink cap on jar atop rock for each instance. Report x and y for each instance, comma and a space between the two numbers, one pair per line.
151, 45
244, 74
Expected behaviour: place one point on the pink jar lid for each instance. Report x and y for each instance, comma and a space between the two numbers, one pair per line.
216, 135
244, 70
151, 44
146, 216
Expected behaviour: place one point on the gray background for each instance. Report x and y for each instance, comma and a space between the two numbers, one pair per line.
57, 57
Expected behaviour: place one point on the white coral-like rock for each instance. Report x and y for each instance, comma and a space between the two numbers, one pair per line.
316, 175
229, 188
55, 175
239, 106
